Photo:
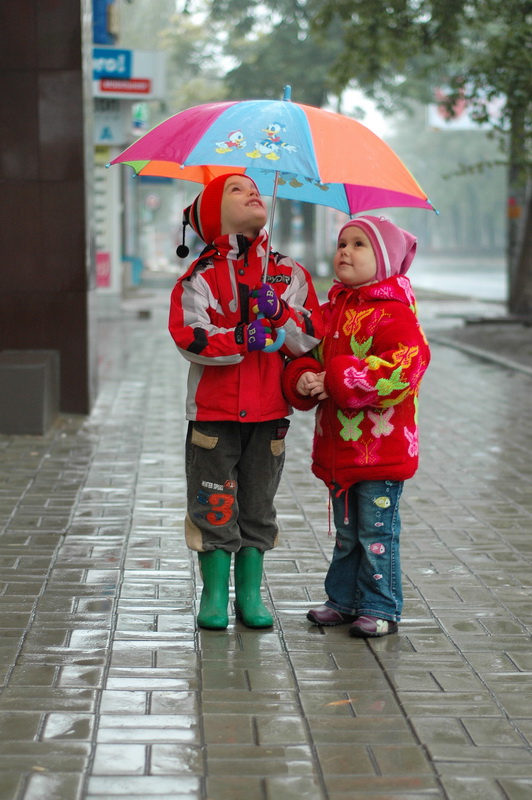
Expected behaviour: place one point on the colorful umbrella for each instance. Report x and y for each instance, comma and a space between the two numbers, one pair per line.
290, 150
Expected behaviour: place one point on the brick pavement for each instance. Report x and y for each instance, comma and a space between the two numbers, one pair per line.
109, 691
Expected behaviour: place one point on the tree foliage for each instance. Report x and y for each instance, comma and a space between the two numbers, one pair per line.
194, 74
468, 195
272, 46
480, 49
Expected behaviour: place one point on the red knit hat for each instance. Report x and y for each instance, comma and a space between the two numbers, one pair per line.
204, 214
394, 248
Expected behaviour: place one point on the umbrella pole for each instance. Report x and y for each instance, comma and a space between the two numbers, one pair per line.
270, 232
280, 332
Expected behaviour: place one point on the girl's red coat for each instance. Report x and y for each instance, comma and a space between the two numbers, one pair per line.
374, 355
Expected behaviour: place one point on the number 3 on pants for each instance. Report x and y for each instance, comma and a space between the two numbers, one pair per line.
222, 504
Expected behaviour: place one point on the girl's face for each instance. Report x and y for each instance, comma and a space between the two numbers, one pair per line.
354, 261
243, 209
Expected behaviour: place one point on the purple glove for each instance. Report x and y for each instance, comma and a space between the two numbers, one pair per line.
267, 301
256, 336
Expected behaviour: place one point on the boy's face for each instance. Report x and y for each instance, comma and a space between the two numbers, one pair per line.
243, 209
354, 261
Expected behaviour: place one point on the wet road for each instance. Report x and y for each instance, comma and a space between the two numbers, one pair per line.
483, 277
110, 691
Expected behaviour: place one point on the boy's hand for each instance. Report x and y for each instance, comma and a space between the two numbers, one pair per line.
257, 335
267, 301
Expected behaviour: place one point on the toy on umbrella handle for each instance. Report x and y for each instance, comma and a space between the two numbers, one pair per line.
268, 305
280, 336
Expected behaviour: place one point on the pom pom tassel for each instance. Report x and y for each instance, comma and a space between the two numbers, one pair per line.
182, 250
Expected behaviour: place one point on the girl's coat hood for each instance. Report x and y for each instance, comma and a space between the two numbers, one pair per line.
396, 288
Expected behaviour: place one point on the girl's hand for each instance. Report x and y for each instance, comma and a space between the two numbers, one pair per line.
304, 383
318, 386
311, 384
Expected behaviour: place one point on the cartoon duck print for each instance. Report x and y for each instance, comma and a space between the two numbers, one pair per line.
235, 141
296, 184
270, 146
293, 181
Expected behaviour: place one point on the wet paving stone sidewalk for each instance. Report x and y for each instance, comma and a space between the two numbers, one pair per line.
109, 691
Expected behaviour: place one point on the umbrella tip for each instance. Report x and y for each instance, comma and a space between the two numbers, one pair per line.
287, 93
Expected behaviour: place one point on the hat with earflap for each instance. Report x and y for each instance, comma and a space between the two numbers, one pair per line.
204, 214
394, 247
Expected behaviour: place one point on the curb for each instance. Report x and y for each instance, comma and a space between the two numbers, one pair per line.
479, 353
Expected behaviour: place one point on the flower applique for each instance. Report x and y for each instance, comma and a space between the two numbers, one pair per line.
360, 349
386, 386
413, 447
382, 425
357, 378
405, 284
350, 431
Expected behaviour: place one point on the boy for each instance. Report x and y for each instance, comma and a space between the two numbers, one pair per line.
366, 378
235, 406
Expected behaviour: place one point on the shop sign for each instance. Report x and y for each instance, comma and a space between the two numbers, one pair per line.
103, 270
109, 62
129, 74
133, 86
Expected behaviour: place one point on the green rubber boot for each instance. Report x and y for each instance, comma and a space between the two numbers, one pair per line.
214, 567
248, 576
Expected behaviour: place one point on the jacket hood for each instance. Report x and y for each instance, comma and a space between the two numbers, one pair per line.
397, 288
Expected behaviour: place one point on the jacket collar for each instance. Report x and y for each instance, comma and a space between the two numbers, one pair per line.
234, 245
397, 288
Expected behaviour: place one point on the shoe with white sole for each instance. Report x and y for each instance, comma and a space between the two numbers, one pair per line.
368, 627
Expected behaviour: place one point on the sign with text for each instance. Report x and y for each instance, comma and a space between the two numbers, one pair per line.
129, 74
133, 86
109, 62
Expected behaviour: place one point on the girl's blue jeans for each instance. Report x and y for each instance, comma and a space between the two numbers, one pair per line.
364, 575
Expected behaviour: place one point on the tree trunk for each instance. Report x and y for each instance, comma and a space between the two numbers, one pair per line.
519, 221
520, 297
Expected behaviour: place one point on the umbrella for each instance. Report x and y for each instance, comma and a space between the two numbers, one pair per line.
290, 150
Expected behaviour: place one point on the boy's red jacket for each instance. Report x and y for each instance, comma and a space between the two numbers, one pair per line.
207, 304
374, 355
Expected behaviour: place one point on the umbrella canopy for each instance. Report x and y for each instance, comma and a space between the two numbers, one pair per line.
290, 150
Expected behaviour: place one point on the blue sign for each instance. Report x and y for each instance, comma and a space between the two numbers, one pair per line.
109, 62
100, 14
